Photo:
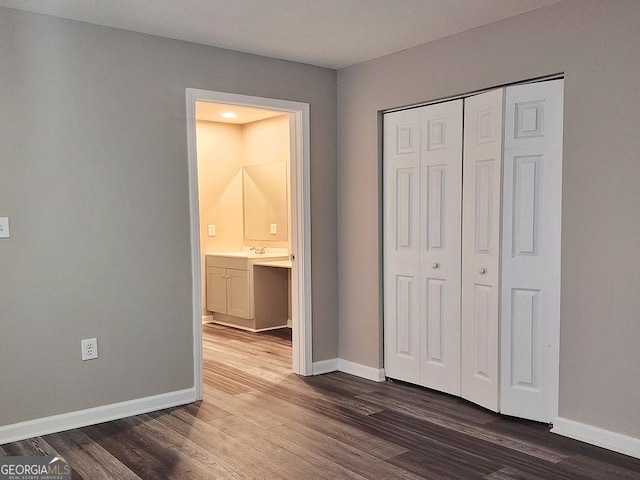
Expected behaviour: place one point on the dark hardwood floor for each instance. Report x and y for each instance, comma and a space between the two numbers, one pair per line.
258, 420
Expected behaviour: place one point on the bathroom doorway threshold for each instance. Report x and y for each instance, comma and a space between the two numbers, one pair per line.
300, 224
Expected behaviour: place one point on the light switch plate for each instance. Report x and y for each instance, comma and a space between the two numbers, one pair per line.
274, 229
211, 230
4, 227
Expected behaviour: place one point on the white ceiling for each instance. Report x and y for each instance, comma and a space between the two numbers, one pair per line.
212, 112
329, 33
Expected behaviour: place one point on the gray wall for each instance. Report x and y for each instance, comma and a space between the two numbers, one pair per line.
596, 44
93, 175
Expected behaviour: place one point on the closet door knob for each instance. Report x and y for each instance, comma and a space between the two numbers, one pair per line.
482, 270
222, 276
435, 265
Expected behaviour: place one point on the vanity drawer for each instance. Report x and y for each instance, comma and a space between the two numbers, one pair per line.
237, 263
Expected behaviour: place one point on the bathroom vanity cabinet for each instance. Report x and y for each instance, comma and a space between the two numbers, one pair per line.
239, 297
228, 291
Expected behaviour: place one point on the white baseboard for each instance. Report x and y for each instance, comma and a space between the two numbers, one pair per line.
92, 416
352, 368
246, 329
325, 366
370, 373
207, 319
597, 436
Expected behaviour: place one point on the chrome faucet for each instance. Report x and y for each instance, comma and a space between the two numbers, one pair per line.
258, 250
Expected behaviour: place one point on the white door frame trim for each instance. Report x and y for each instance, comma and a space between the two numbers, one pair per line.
300, 228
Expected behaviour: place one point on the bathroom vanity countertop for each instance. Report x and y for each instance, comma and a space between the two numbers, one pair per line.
249, 255
274, 263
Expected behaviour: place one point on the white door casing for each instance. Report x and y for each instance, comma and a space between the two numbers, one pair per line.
440, 230
300, 224
532, 211
422, 192
481, 248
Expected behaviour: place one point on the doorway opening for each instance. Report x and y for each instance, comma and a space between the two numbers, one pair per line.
250, 218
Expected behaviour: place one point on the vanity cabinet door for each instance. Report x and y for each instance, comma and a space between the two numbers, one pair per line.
238, 293
217, 290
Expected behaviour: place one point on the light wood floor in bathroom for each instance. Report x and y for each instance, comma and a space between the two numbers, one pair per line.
258, 420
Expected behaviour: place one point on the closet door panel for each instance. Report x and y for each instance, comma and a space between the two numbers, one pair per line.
401, 224
531, 250
481, 248
440, 243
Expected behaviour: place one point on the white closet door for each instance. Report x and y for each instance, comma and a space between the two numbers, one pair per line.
440, 244
401, 218
481, 247
531, 250
422, 209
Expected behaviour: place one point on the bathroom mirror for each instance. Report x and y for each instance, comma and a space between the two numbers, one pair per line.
265, 202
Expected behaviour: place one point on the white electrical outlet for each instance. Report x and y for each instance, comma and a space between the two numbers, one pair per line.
211, 230
4, 227
89, 348
274, 229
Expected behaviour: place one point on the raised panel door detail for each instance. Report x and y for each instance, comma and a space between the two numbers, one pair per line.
437, 137
524, 319
526, 204
435, 206
529, 121
435, 320
406, 137
482, 315
484, 206
404, 213
405, 316
487, 128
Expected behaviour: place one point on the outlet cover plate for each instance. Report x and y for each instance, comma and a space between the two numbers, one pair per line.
4, 227
89, 348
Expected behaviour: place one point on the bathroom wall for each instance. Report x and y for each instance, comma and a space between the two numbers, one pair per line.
220, 185
268, 141
266, 211
223, 149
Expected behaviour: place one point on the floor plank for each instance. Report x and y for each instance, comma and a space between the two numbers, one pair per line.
259, 420
88, 458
